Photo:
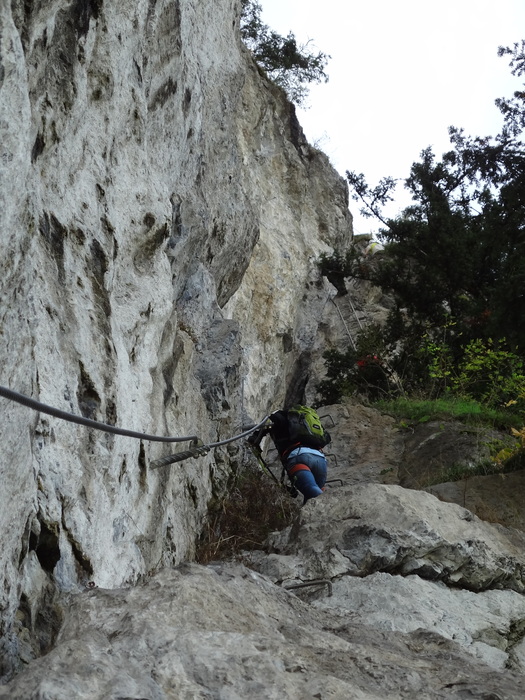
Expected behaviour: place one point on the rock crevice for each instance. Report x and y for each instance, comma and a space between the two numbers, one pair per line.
162, 216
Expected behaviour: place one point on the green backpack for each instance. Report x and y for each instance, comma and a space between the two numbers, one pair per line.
305, 426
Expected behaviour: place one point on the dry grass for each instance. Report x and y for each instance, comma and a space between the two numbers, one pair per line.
243, 519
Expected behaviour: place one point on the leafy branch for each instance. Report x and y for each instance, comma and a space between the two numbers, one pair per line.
288, 64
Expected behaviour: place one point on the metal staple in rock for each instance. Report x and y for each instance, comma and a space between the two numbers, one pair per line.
305, 584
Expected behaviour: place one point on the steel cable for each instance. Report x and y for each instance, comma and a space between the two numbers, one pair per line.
238, 437
73, 418
199, 449
105, 427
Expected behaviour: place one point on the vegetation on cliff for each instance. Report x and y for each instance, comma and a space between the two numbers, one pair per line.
454, 265
290, 65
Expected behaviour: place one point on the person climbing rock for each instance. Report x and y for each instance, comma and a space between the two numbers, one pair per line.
299, 438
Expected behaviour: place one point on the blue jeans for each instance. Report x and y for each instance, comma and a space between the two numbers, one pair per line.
307, 471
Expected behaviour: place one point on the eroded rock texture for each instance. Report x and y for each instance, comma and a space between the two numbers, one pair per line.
161, 214
386, 626
401, 560
161, 217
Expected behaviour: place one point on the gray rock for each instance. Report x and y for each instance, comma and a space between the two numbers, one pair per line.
366, 445
398, 560
374, 527
483, 623
227, 632
496, 498
162, 214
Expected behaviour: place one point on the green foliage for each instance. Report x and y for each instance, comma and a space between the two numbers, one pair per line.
362, 369
439, 361
513, 108
290, 65
340, 265
430, 363
372, 198
482, 369
489, 372
459, 250
514, 458
337, 267
447, 408
340, 376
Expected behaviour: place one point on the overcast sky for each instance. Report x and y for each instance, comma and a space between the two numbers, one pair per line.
401, 72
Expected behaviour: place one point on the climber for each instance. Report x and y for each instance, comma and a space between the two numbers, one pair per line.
373, 247
299, 439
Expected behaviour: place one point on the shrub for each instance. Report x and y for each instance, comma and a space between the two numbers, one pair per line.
290, 65
361, 369
489, 372
337, 266
254, 507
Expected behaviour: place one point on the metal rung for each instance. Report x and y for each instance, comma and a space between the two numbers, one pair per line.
320, 581
332, 481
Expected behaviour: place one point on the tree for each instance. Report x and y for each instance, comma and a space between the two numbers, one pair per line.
459, 251
290, 65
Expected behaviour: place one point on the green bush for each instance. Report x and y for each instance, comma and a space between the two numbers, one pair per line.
430, 363
361, 369
337, 266
290, 65
489, 372
482, 369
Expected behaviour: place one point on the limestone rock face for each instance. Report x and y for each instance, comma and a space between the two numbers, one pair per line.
395, 559
495, 498
161, 217
161, 214
225, 631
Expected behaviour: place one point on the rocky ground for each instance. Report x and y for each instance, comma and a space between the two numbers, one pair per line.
415, 598
226, 632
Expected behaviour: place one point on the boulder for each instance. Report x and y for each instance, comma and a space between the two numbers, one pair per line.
496, 498
400, 559
227, 632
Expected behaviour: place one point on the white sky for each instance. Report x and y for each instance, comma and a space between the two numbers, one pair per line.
401, 72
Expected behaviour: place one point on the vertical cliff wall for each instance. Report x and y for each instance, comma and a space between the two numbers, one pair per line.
161, 214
